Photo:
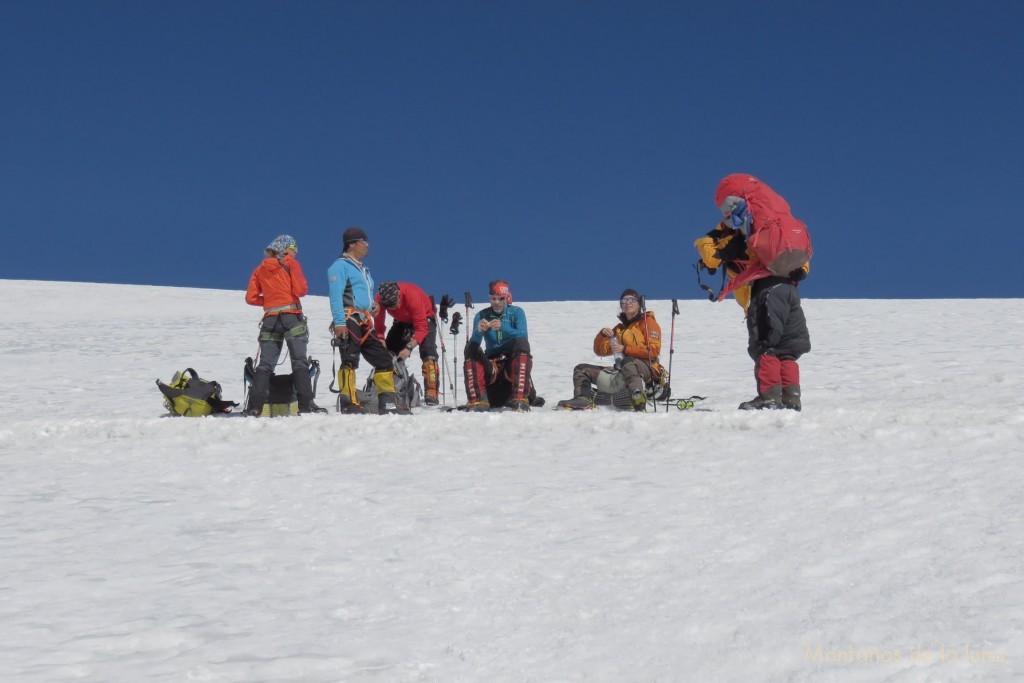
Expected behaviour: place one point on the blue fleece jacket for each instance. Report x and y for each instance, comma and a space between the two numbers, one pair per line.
349, 286
496, 342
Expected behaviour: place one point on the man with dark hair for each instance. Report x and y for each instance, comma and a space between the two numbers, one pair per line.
499, 373
413, 325
351, 294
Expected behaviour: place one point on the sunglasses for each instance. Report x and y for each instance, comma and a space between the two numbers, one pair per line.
498, 298
628, 300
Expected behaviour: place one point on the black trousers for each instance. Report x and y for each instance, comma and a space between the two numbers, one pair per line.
364, 341
400, 334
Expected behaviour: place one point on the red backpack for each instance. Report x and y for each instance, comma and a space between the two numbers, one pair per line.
780, 242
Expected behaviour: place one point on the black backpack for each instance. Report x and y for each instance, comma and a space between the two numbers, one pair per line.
282, 400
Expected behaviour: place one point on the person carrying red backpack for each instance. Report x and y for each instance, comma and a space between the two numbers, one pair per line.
765, 251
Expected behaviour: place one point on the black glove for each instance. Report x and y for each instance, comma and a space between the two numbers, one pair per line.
456, 321
733, 250
797, 275
446, 302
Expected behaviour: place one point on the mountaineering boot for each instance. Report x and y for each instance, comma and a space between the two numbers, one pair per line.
582, 396
430, 382
519, 405
388, 400
478, 406
769, 399
348, 399
258, 393
791, 397
638, 400
577, 403
312, 408
344, 406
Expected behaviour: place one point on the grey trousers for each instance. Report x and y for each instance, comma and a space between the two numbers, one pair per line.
277, 330
635, 372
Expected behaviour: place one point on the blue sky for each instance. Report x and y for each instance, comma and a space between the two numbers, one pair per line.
572, 148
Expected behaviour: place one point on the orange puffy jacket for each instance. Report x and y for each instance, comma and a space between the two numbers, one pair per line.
276, 285
640, 339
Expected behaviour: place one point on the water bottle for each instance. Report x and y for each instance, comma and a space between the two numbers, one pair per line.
618, 358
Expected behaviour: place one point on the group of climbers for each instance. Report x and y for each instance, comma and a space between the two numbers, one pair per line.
753, 243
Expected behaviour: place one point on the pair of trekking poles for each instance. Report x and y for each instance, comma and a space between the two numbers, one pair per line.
453, 327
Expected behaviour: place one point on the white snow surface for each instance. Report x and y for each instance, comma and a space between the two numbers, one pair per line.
876, 536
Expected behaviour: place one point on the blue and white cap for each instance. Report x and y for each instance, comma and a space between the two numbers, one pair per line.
282, 243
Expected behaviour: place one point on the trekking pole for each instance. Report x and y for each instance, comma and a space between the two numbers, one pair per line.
469, 305
671, 350
454, 327
647, 341
442, 316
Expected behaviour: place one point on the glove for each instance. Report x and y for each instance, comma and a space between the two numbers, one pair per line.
446, 303
733, 250
719, 232
797, 275
456, 321
740, 217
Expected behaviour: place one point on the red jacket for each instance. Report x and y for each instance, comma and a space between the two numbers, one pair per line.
277, 285
414, 308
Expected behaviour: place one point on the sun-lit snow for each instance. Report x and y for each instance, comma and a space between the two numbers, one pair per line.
878, 535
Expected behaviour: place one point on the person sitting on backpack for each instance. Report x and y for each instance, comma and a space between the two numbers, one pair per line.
776, 326
277, 284
414, 325
351, 293
499, 374
635, 342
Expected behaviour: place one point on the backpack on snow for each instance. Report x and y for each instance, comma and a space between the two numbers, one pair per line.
611, 390
281, 401
189, 395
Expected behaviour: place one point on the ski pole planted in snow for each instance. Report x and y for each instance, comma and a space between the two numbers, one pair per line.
446, 303
469, 305
454, 328
671, 349
647, 334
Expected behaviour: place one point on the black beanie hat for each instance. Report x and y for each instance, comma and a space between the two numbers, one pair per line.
629, 292
353, 234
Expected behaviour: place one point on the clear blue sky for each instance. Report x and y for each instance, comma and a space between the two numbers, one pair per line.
572, 148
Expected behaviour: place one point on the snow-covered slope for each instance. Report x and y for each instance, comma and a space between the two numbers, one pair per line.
878, 535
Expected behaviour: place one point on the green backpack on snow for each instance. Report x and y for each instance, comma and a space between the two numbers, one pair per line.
191, 396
